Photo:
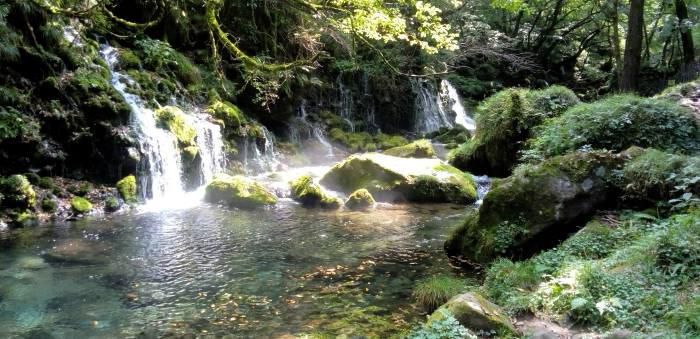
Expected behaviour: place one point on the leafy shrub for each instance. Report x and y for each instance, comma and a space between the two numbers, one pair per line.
160, 57
505, 120
510, 283
432, 292
446, 328
678, 251
618, 122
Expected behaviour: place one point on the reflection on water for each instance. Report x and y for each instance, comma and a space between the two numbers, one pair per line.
206, 270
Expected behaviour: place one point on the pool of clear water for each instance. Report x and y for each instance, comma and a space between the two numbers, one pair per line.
210, 271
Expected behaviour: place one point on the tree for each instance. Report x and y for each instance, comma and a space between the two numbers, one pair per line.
633, 47
685, 32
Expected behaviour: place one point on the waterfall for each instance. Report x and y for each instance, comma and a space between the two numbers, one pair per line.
451, 99
346, 102
430, 112
160, 167
257, 159
368, 104
301, 130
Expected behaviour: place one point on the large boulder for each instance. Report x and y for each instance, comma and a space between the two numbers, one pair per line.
310, 194
536, 206
17, 192
417, 149
238, 191
475, 313
395, 179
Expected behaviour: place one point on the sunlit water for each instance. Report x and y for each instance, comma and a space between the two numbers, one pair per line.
208, 270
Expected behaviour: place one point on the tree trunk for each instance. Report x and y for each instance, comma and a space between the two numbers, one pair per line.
686, 33
633, 48
617, 49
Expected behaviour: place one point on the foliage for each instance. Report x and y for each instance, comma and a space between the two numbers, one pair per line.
160, 57
446, 328
432, 292
617, 123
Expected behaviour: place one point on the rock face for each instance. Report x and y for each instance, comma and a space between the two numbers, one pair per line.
536, 206
238, 191
417, 149
476, 313
395, 179
310, 194
360, 200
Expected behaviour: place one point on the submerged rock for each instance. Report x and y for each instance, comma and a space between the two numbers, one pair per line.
78, 251
393, 179
417, 149
536, 206
238, 191
310, 194
476, 313
360, 200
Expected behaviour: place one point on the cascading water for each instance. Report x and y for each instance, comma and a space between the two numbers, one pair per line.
255, 158
430, 114
301, 129
368, 104
450, 98
346, 102
160, 168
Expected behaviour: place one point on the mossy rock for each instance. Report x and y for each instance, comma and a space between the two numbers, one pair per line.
397, 179
230, 114
238, 191
112, 204
360, 200
417, 149
17, 192
505, 121
49, 204
174, 120
536, 206
128, 59
475, 312
310, 194
80, 205
190, 153
128, 190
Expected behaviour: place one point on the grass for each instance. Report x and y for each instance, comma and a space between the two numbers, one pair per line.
432, 292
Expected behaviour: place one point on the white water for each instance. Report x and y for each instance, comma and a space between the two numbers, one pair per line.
256, 158
438, 109
450, 98
301, 130
160, 167
368, 104
346, 102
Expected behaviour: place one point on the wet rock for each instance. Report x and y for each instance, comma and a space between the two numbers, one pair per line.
360, 200
476, 313
238, 191
394, 179
127, 189
310, 194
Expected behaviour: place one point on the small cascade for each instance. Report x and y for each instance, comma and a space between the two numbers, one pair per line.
301, 130
346, 102
160, 167
257, 158
430, 111
368, 105
451, 99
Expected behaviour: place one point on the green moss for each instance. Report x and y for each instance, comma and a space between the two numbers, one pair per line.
46, 183
365, 142
48, 204
128, 59
80, 205
475, 312
190, 153
17, 192
619, 122
174, 120
112, 204
417, 149
230, 114
238, 191
128, 189
385, 141
505, 121
432, 292
310, 194
361, 199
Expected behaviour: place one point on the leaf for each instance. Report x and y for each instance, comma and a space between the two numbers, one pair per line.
578, 303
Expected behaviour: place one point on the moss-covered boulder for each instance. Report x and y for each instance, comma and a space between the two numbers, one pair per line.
537, 206
395, 179
360, 200
230, 114
127, 189
310, 194
17, 192
617, 123
80, 205
474, 312
174, 120
417, 149
238, 191
505, 121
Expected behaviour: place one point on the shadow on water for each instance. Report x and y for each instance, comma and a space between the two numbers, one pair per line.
274, 272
